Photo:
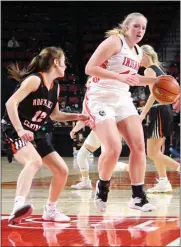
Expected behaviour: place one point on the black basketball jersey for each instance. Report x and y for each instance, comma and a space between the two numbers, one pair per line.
36, 108
160, 116
158, 72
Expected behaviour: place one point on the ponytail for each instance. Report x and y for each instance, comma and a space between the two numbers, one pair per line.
149, 50
41, 62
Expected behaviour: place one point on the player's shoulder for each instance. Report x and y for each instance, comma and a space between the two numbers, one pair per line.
115, 39
140, 51
32, 82
149, 71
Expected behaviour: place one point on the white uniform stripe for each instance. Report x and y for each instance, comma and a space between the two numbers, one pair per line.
16, 145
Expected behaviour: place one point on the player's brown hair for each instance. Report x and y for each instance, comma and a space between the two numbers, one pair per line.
42, 62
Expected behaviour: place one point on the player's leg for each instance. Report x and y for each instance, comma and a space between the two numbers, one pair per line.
90, 145
53, 161
108, 135
161, 161
58, 167
32, 161
137, 160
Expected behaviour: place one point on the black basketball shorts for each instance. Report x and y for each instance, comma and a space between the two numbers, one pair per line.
160, 122
11, 142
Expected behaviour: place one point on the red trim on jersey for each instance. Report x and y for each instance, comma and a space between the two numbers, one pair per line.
104, 66
92, 118
125, 72
44, 81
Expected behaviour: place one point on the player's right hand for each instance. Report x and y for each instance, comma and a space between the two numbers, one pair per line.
131, 80
72, 134
26, 135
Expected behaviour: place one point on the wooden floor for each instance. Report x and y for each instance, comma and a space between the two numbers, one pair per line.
118, 226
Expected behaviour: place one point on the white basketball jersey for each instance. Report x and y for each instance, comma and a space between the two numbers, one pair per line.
124, 62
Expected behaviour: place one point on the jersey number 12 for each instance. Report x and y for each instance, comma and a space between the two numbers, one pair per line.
39, 116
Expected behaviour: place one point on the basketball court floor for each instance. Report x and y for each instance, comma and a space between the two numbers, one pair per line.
118, 226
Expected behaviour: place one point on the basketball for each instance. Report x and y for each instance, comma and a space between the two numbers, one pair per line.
166, 89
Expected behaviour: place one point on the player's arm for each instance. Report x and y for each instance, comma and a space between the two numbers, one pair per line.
60, 116
176, 104
147, 80
148, 73
29, 85
79, 125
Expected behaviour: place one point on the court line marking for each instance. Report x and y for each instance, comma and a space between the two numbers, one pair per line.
109, 217
176, 242
75, 228
109, 203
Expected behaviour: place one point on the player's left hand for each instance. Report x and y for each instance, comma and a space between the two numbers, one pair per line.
82, 117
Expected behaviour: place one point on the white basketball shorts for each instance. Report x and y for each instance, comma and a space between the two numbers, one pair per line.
108, 104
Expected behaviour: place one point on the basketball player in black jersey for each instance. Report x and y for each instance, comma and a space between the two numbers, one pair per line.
34, 101
159, 126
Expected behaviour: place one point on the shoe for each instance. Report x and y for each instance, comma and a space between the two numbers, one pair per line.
55, 215
141, 204
178, 169
82, 185
20, 213
161, 187
121, 167
100, 199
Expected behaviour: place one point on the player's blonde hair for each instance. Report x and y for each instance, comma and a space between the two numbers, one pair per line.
149, 50
121, 29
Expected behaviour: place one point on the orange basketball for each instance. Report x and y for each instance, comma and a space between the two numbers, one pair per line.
166, 89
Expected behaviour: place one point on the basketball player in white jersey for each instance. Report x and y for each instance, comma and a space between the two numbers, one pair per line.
113, 67
90, 145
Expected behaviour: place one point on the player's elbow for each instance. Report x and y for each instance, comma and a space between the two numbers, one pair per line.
10, 103
88, 69
53, 117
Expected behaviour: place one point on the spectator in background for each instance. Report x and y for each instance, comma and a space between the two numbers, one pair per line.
77, 144
13, 43
62, 106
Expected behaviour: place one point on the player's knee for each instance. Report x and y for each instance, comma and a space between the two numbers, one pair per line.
65, 171
35, 164
82, 158
62, 171
137, 147
114, 153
